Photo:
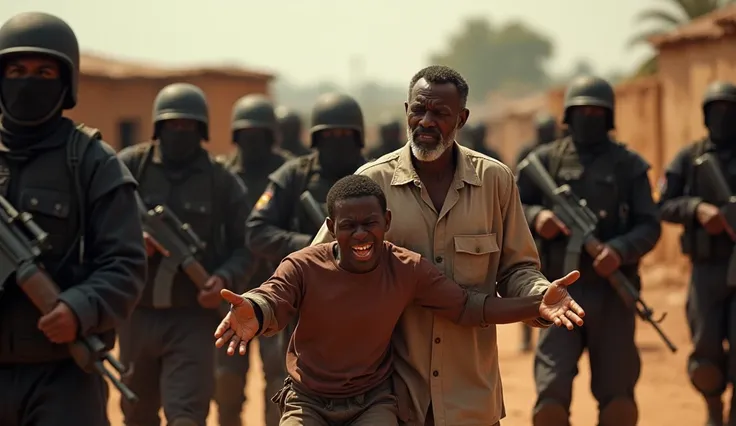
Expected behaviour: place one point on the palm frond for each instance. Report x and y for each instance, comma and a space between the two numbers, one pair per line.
696, 8
643, 37
648, 67
662, 17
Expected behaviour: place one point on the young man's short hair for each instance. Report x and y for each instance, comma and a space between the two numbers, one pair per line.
354, 186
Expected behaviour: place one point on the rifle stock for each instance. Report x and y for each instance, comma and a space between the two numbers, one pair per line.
22, 241
178, 238
582, 222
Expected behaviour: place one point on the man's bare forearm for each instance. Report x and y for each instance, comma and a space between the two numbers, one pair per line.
513, 309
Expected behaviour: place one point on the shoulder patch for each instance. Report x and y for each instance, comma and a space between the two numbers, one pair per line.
264, 200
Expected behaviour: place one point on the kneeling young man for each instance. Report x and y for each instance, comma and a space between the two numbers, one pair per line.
349, 295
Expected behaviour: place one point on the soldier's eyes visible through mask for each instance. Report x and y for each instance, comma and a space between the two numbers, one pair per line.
36, 67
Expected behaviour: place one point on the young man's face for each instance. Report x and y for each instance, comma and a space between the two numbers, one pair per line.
359, 226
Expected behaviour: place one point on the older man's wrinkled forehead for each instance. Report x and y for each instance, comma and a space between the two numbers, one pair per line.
435, 94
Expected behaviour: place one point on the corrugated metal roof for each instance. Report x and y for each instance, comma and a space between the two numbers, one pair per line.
101, 66
712, 26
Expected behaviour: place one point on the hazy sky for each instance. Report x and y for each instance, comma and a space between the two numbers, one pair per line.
308, 40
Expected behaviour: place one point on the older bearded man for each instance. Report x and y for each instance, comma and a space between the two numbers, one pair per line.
460, 209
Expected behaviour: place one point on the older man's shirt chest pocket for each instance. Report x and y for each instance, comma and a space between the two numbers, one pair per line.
475, 257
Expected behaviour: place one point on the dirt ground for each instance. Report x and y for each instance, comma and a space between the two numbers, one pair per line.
664, 393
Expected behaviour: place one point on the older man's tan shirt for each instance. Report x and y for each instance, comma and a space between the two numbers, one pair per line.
479, 239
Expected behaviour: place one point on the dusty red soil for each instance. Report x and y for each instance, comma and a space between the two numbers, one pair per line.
664, 393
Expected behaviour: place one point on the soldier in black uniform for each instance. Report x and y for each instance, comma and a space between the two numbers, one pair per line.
475, 139
290, 127
711, 305
613, 181
167, 342
279, 225
546, 128
255, 132
84, 198
390, 138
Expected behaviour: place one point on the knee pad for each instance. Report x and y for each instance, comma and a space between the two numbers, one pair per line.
551, 413
229, 388
619, 412
183, 421
707, 377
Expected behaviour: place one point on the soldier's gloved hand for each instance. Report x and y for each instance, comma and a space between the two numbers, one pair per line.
559, 307
548, 226
210, 297
60, 325
607, 262
710, 217
239, 326
153, 246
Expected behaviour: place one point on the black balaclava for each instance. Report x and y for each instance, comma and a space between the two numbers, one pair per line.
255, 145
291, 134
31, 111
339, 156
589, 132
720, 119
180, 146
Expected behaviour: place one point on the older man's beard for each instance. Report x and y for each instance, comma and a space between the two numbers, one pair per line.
425, 153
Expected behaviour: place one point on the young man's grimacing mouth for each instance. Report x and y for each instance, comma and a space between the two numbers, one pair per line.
363, 252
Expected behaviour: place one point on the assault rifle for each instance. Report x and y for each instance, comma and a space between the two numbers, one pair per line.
21, 243
312, 208
177, 242
582, 223
708, 169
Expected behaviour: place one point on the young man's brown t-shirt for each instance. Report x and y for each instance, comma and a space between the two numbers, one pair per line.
341, 345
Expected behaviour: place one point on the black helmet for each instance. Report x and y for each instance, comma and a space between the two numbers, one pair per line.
588, 91
545, 120
253, 111
336, 111
44, 34
719, 91
181, 101
286, 117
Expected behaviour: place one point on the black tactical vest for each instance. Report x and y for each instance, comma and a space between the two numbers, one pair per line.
192, 197
602, 185
48, 187
695, 241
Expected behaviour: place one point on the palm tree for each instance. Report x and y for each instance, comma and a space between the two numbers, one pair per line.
672, 14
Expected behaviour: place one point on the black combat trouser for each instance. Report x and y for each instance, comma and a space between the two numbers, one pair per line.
231, 377
54, 393
170, 354
711, 316
609, 336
